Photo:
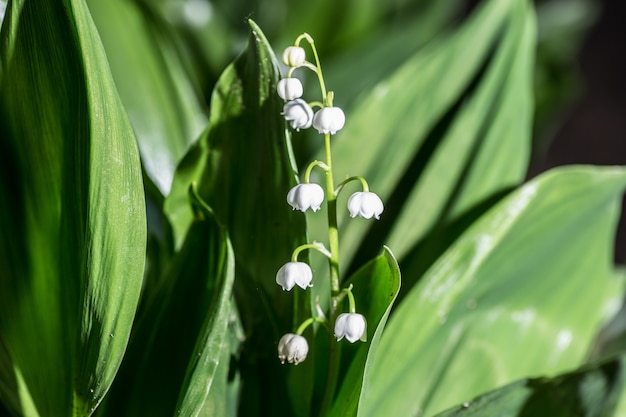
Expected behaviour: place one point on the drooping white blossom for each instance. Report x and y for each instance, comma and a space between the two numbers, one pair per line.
289, 88
294, 273
365, 204
294, 56
299, 113
305, 196
329, 120
352, 326
293, 348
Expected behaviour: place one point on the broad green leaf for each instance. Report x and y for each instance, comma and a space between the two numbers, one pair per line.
521, 293
72, 213
212, 350
243, 168
160, 101
181, 324
588, 392
445, 133
375, 288
383, 50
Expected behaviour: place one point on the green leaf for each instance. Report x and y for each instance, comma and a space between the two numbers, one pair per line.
9, 396
178, 340
161, 102
243, 167
588, 392
72, 210
376, 286
446, 133
383, 50
522, 292
212, 350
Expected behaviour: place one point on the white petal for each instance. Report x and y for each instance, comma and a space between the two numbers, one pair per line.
365, 204
340, 326
352, 326
284, 278
293, 348
289, 88
304, 275
294, 56
329, 120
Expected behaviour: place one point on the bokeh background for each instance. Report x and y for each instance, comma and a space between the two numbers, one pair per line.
592, 128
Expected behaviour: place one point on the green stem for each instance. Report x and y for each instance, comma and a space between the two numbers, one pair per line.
343, 183
333, 233
351, 302
333, 242
318, 66
317, 246
307, 173
306, 323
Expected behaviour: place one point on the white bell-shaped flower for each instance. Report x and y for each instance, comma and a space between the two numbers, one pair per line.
294, 56
305, 196
365, 204
299, 113
329, 120
293, 348
352, 326
289, 88
294, 273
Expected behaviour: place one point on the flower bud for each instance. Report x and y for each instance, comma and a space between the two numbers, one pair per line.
293, 273
352, 326
294, 56
299, 113
289, 88
293, 348
305, 196
329, 120
366, 205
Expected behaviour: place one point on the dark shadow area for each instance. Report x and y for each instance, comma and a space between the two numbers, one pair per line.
594, 131
378, 231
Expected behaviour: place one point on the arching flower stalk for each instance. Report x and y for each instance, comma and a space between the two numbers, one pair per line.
328, 120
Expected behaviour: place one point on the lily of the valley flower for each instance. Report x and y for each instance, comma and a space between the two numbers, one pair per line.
352, 326
294, 273
294, 56
305, 196
293, 348
289, 88
299, 113
365, 204
329, 120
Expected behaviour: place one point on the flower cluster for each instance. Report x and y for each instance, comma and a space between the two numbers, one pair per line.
299, 113
327, 120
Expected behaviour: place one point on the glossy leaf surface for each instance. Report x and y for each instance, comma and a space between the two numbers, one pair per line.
178, 339
589, 392
243, 168
501, 303
72, 247
376, 286
445, 133
160, 99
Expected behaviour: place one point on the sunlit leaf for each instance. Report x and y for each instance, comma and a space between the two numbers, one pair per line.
521, 293
589, 392
244, 168
162, 105
446, 133
72, 247
182, 324
375, 288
